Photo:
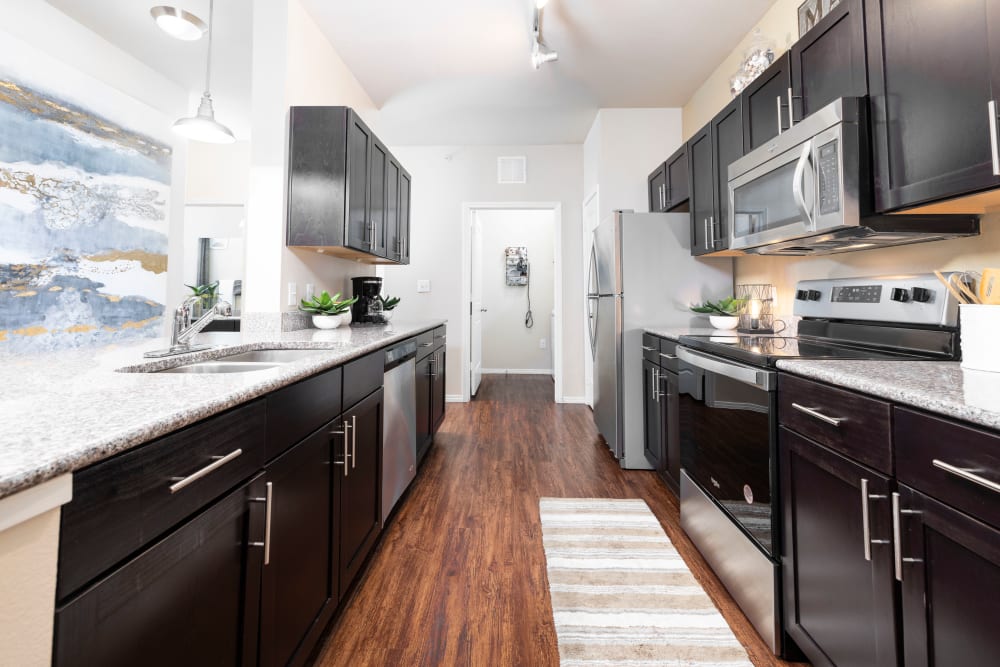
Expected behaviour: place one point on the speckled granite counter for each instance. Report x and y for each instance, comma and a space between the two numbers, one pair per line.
67, 410
674, 333
936, 386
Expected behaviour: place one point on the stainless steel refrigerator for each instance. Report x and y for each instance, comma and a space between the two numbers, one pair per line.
641, 274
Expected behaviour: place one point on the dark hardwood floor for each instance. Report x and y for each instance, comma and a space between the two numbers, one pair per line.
459, 577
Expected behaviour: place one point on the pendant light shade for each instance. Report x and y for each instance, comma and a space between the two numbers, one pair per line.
203, 126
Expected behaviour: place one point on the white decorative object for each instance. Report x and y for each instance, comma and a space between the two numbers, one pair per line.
724, 322
979, 326
330, 321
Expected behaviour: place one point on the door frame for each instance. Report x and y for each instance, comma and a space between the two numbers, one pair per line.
469, 209
586, 242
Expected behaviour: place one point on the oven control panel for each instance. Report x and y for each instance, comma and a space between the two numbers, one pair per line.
909, 299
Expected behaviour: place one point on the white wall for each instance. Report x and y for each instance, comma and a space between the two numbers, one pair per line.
507, 344
293, 64
445, 177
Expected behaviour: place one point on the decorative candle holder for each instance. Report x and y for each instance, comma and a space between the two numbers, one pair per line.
756, 314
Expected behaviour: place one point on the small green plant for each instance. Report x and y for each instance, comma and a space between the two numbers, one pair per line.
207, 293
324, 304
728, 307
388, 303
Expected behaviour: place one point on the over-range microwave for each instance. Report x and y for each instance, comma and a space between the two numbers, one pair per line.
810, 191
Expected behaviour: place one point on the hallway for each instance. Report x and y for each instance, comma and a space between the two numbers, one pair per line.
459, 577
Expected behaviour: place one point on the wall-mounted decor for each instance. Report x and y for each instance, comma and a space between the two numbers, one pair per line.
516, 266
83, 208
811, 11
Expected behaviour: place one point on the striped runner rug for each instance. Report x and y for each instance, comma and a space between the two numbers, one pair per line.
622, 595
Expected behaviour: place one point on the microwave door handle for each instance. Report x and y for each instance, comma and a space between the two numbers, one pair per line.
797, 180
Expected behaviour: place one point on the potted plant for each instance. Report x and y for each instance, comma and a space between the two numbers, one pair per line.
388, 304
328, 312
723, 314
207, 295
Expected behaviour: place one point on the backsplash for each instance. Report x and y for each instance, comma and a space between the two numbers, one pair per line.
83, 210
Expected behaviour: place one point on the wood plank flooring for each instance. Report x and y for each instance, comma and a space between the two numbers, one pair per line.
459, 576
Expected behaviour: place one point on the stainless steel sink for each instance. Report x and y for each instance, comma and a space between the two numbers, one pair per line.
220, 367
270, 356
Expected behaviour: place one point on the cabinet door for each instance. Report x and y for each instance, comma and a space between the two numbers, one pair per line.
437, 388
677, 178
950, 568
424, 391
702, 184
657, 187
931, 85
404, 216
670, 433
317, 169
190, 599
651, 441
296, 583
839, 604
765, 104
360, 487
829, 62
727, 142
392, 222
376, 197
359, 144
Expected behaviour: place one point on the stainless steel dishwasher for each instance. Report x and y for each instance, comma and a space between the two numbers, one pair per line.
399, 442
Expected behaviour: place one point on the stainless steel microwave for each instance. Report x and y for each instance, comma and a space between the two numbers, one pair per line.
810, 191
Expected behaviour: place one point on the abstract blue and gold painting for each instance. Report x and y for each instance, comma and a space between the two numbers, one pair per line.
83, 223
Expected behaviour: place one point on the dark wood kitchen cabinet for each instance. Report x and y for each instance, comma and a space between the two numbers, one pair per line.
765, 104
661, 408
710, 152
431, 376
652, 440
656, 185
346, 192
438, 401
668, 184
934, 70
357, 464
404, 216
829, 61
837, 556
701, 181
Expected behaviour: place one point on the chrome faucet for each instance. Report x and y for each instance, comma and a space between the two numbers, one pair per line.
184, 330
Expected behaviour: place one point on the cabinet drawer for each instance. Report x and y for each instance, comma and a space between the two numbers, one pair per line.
651, 348
440, 336
425, 344
861, 430
668, 355
363, 376
295, 411
121, 504
958, 450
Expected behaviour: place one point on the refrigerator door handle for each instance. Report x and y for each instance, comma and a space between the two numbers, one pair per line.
593, 314
594, 279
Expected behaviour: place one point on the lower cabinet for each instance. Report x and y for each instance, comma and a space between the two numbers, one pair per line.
191, 598
437, 387
430, 372
661, 410
358, 470
837, 558
652, 441
424, 431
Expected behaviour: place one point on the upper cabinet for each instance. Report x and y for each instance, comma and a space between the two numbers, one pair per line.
657, 188
668, 184
346, 192
934, 74
765, 104
710, 152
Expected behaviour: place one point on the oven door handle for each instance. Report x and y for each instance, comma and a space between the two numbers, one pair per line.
756, 377
797, 179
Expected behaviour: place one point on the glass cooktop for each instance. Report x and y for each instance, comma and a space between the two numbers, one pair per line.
767, 350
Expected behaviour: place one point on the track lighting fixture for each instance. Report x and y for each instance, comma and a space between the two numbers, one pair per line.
540, 53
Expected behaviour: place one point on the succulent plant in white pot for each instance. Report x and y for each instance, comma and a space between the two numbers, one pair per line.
722, 314
328, 312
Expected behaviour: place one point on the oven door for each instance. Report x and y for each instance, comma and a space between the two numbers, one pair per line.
727, 418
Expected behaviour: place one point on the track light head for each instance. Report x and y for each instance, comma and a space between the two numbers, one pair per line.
541, 54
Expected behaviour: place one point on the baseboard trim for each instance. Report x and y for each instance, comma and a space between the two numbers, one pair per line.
454, 398
574, 399
517, 371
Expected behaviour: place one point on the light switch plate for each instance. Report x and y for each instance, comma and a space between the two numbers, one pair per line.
541, 343
293, 296
423, 286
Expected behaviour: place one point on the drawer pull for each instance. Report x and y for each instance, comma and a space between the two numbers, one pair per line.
866, 526
425, 344
649, 349
966, 475
813, 412
268, 500
217, 462
671, 357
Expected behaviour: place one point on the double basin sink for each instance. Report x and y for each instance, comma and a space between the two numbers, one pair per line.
244, 362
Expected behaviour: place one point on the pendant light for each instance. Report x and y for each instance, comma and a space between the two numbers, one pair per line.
203, 126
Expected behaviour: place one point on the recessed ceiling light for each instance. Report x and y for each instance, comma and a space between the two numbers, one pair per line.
178, 23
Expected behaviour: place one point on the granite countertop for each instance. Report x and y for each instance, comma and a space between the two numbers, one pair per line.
674, 333
66, 410
941, 387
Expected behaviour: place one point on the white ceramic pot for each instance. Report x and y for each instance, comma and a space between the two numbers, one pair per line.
724, 322
330, 321
979, 327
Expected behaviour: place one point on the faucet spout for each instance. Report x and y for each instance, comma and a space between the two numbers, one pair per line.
184, 330
220, 309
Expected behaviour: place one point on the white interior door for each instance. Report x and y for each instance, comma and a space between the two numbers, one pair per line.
476, 309
591, 218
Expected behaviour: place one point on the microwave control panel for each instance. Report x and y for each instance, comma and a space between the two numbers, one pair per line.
829, 178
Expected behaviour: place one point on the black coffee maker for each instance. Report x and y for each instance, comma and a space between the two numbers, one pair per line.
367, 308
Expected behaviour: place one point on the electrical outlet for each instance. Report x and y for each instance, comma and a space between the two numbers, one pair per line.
541, 343
423, 286
293, 294
310, 291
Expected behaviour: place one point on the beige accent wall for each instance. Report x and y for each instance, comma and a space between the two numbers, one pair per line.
28, 556
780, 24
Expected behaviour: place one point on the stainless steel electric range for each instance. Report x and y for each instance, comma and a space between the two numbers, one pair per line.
729, 422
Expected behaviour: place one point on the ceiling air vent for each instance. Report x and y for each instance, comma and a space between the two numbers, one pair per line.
512, 170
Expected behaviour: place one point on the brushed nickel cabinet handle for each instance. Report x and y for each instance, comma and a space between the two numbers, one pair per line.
994, 141
897, 535
268, 501
354, 441
217, 462
866, 526
778, 100
966, 475
649, 349
816, 414
347, 442
671, 357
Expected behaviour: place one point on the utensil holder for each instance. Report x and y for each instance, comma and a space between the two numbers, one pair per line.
980, 326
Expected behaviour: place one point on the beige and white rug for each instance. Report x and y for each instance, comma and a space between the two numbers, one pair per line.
622, 595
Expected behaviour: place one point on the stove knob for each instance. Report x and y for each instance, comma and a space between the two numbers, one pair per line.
900, 294
814, 295
921, 294
802, 295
